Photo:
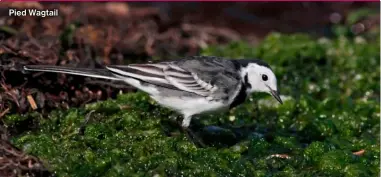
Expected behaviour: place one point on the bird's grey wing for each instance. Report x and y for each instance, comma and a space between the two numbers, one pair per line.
214, 79
164, 74
149, 73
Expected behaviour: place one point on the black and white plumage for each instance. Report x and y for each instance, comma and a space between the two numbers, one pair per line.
192, 85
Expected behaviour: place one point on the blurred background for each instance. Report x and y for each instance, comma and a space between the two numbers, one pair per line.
94, 34
116, 29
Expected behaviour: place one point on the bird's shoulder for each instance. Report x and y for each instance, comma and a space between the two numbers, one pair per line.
207, 63
221, 73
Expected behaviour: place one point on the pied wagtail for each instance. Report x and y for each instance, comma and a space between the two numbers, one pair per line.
190, 86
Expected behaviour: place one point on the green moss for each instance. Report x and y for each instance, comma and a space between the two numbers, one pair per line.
359, 14
332, 110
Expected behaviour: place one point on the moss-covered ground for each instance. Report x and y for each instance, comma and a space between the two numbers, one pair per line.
331, 110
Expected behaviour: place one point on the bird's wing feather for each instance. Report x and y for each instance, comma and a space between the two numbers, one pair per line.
149, 73
187, 81
212, 78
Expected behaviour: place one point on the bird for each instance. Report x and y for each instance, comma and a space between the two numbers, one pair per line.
191, 85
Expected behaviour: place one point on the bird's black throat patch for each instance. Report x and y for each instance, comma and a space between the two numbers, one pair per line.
240, 98
246, 82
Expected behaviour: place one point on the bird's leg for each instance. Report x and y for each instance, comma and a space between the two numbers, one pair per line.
188, 132
186, 121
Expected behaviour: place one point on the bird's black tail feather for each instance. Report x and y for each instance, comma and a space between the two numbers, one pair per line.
89, 72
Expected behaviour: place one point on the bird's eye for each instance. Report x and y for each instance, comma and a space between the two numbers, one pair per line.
264, 77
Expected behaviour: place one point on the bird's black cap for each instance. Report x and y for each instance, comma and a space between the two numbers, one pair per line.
245, 62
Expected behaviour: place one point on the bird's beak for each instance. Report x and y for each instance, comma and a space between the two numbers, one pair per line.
275, 94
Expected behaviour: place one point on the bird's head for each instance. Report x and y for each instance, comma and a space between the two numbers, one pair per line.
259, 77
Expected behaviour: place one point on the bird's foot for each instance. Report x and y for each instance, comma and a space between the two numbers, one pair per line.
184, 127
193, 137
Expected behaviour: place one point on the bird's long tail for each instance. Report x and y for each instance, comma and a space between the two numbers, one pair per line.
89, 72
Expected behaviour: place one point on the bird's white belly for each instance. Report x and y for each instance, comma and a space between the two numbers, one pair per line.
189, 106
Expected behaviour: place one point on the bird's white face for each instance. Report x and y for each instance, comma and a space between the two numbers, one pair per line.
261, 79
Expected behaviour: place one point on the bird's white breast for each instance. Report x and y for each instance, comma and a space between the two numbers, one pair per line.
190, 105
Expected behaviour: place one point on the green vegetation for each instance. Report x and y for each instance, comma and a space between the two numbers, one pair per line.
332, 110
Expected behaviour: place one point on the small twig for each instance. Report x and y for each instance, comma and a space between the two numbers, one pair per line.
124, 107
359, 153
81, 130
282, 156
4, 112
32, 102
223, 32
9, 30
149, 46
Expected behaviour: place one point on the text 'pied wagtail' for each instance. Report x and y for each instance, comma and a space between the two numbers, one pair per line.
192, 85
